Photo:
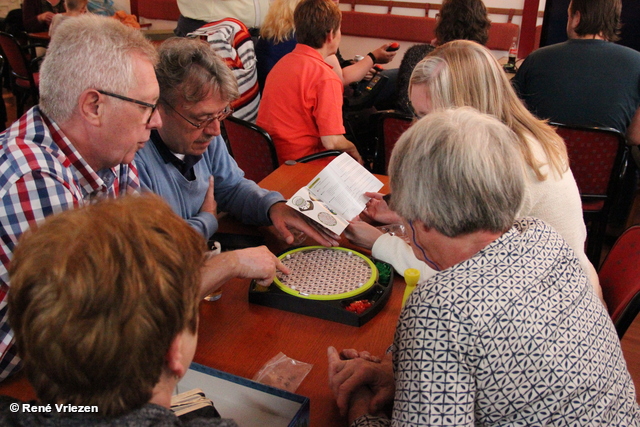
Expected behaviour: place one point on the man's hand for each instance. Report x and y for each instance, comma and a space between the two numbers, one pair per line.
251, 263
283, 218
377, 210
347, 377
361, 233
209, 204
259, 264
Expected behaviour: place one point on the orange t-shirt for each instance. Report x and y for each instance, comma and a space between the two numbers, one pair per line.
301, 101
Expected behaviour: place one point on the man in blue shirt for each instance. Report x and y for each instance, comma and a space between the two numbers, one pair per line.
187, 158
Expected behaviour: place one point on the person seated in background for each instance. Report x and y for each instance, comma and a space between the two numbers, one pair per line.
74, 8
590, 81
196, 13
38, 14
508, 332
457, 20
277, 38
463, 73
587, 80
106, 313
301, 104
186, 160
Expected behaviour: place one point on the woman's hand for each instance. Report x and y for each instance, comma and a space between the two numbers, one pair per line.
377, 210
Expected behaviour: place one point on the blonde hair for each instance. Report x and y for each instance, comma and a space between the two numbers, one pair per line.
278, 24
464, 73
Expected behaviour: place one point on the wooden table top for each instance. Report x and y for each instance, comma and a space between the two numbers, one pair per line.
238, 337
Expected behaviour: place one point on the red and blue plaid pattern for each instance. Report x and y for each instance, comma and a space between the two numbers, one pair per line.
41, 173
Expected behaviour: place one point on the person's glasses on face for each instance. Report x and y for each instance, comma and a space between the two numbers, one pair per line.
220, 116
135, 101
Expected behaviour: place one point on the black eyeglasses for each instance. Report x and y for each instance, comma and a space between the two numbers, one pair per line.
135, 101
219, 116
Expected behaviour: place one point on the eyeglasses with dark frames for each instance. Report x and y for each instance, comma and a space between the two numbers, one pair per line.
219, 116
135, 101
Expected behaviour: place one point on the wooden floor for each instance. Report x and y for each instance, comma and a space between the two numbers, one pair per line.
631, 340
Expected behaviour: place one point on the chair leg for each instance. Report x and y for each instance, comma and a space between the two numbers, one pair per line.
595, 238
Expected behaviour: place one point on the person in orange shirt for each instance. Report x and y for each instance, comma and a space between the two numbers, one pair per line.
301, 104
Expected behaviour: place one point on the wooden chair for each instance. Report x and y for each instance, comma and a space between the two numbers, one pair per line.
25, 78
598, 159
252, 148
389, 124
620, 279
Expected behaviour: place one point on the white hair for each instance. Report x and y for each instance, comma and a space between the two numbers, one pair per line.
89, 51
458, 171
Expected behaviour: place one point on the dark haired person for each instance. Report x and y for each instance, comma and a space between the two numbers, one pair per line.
457, 20
301, 105
587, 80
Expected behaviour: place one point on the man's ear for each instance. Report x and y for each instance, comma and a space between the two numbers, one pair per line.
574, 20
91, 107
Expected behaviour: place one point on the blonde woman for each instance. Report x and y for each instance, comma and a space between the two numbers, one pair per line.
276, 36
464, 73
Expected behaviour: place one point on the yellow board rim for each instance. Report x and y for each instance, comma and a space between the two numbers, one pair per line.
372, 280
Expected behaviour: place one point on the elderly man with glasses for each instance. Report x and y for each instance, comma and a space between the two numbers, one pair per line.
187, 158
77, 144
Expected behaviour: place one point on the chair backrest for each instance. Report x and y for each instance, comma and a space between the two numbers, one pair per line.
597, 157
390, 124
620, 279
251, 147
15, 57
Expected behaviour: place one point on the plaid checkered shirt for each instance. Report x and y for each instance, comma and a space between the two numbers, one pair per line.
41, 173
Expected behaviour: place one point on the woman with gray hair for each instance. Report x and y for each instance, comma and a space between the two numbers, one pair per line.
508, 332
463, 73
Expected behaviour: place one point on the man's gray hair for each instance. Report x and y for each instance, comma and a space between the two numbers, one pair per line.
458, 171
89, 51
189, 70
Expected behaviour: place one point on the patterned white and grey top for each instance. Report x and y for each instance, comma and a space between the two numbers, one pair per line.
513, 336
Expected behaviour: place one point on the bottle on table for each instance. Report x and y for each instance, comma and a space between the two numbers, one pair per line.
510, 66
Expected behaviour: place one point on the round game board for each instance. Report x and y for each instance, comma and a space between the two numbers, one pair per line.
326, 273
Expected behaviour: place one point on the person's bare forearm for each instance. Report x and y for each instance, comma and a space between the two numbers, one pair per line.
216, 270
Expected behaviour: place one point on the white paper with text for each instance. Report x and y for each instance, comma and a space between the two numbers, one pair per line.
336, 194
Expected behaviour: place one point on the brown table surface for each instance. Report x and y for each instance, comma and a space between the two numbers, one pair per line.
238, 337
44, 35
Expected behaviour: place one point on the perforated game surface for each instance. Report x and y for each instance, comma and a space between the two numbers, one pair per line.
326, 273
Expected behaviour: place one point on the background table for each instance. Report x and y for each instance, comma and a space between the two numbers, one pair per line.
238, 337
